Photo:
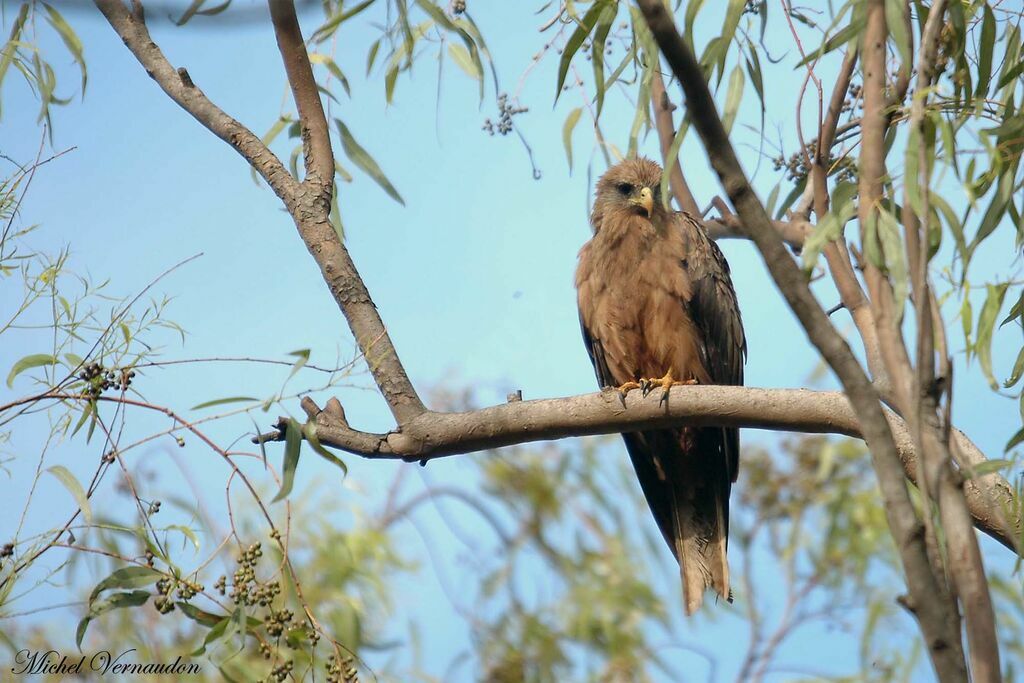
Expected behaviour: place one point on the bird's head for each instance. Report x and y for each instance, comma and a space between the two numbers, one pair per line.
631, 187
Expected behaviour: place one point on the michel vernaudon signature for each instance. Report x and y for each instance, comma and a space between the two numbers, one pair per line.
30, 662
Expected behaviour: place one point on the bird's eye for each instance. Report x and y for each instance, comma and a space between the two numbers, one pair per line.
624, 188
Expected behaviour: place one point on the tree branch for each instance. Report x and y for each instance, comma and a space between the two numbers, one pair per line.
666, 133
131, 28
435, 435
308, 203
316, 138
940, 639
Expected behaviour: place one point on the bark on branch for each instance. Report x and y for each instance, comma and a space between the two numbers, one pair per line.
433, 435
307, 202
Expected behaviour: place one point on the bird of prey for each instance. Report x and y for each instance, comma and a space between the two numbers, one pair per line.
657, 308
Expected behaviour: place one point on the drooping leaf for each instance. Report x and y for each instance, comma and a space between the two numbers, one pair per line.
115, 601
70, 482
223, 401
598, 42
986, 325
35, 360
985, 47
292, 447
71, 40
733, 96
361, 158
309, 432
460, 56
126, 577
583, 29
570, 123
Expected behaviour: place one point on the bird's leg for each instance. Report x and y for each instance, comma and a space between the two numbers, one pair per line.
667, 382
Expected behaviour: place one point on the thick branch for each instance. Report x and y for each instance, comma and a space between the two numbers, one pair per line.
940, 639
792, 232
179, 87
434, 435
308, 203
316, 139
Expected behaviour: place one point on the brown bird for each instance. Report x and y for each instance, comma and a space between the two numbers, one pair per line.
657, 308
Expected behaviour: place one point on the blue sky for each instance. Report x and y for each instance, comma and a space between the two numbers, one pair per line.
473, 276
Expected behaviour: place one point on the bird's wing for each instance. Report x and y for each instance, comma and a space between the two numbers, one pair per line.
716, 314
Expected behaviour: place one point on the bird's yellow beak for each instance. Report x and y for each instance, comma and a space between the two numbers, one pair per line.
645, 200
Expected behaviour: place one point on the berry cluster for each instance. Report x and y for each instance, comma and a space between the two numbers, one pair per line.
245, 589
281, 672
506, 110
341, 671
796, 166
277, 622
99, 379
185, 588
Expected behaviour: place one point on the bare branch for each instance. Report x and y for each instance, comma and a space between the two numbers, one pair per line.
434, 435
316, 139
666, 133
308, 205
132, 30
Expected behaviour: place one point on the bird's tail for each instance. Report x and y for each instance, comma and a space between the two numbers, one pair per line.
700, 517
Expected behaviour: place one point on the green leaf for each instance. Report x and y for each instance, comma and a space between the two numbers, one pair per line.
598, 42
71, 40
34, 360
987, 467
848, 33
12, 44
1015, 311
895, 259
1001, 198
460, 56
896, 21
583, 29
309, 432
692, 9
198, 615
187, 533
570, 123
126, 577
333, 68
332, 24
985, 46
115, 601
303, 358
361, 158
672, 155
212, 636
986, 324
732, 98
292, 447
1018, 370
1015, 440
69, 481
793, 195
222, 401
967, 322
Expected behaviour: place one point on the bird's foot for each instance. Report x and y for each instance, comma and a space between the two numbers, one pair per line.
625, 388
666, 383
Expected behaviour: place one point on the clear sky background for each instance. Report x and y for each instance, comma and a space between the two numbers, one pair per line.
473, 276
